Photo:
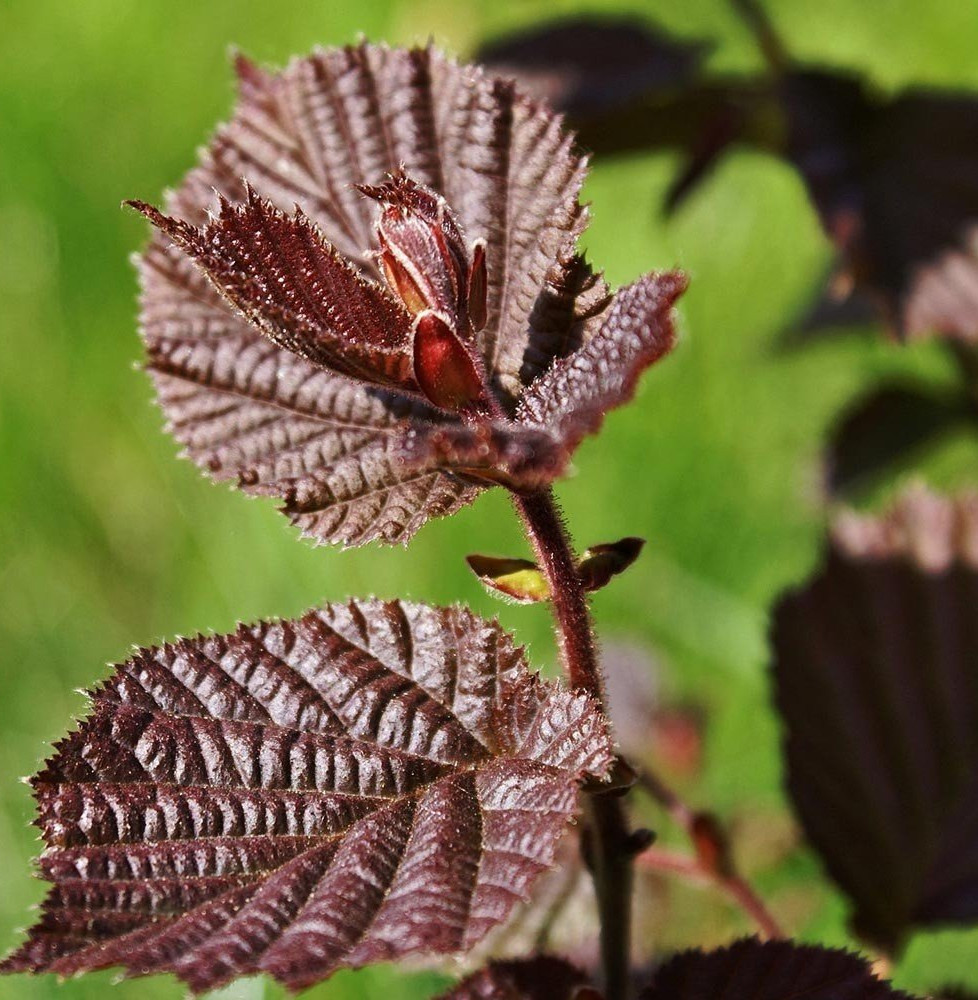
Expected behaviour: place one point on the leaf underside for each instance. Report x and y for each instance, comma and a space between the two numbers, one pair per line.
366, 782
876, 674
772, 970
282, 426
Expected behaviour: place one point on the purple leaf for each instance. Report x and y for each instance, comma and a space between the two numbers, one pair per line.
542, 977
875, 673
282, 276
770, 970
586, 64
570, 401
893, 182
475, 234
889, 425
277, 424
369, 781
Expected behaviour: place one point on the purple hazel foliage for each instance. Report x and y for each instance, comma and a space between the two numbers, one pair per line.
875, 679
383, 309
751, 969
542, 977
372, 780
892, 176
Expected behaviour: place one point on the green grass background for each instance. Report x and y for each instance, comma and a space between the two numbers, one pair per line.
106, 540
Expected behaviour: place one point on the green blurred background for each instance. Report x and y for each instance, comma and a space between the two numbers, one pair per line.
106, 540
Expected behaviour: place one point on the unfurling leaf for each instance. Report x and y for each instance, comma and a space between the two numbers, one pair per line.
542, 977
523, 581
601, 562
281, 274
518, 579
770, 970
572, 399
422, 251
446, 372
366, 782
404, 231
876, 673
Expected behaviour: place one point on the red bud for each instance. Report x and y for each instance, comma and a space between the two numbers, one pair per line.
443, 367
478, 290
423, 255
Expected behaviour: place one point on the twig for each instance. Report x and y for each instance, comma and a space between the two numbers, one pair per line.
608, 846
713, 859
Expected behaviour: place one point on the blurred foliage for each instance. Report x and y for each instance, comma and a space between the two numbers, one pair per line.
106, 540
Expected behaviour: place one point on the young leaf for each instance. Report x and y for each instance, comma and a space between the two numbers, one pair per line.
524, 582
542, 977
771, 970
521, 580
875, 673
279, 425
601, 562
571, 400
366, 782
280, 273
479, 218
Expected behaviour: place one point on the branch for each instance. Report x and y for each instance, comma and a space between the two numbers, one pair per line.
713, 858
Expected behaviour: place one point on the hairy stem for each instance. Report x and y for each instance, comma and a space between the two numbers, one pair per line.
607, 845
575, 637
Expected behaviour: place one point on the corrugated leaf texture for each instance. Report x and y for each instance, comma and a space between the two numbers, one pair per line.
573, 397
542, 977
368, 781
321, 415
769, 970
876, 675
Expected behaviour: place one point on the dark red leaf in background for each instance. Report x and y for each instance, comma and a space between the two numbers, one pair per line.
896, 187
894, 179
542, 977
582, 65
885, 428
366, 782
769, 970
876, 678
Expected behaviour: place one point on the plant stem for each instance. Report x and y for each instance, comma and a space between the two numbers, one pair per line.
686, 866
607, 843
722, 871
575, 637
